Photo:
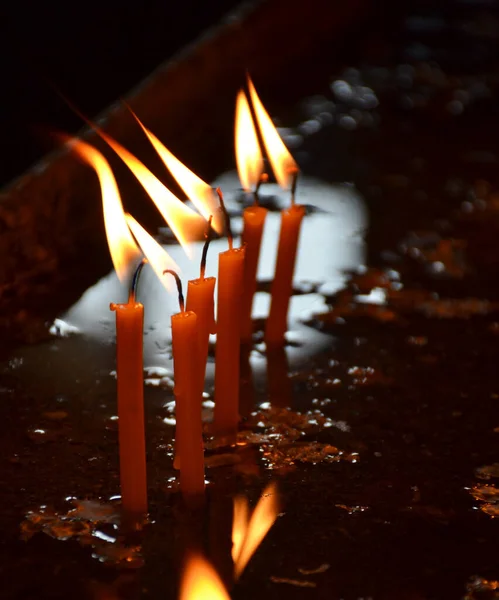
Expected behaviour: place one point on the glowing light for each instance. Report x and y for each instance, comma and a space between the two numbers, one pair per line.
283, 164
248, 534
156, 255
125, 253
186, 224
201, 582
199, 192
249, 157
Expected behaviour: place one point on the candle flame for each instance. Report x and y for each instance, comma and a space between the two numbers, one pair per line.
248, 532
201, 582
283, 164
156, 255
249, 157
183, 221
122, 247
199, 192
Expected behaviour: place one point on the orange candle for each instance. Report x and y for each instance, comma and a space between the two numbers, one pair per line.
227, 353
249, 161
200, 300
131, 435
254, 220
282, 286
189, 435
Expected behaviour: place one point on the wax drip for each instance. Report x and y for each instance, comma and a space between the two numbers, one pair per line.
263, 179
208, 236
227, 218
135, 280
179, 288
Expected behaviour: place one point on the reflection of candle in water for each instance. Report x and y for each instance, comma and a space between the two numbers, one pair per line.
200, 581
227, 353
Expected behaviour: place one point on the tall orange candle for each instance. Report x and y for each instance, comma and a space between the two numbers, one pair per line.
189, 435
249, 161
227, 353
282, 286
129, 368
254, 220
200, 300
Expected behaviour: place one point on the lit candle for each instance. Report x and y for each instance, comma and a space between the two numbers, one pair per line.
285, 170
249, 161
282, 285
227, 353
188, 436
130, 385
129, 343
200, 300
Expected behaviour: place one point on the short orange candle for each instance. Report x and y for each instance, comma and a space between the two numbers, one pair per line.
189, 435
228, 348
254, 220
282, 286
129, 368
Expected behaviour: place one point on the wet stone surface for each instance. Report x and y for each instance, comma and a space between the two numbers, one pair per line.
384, 447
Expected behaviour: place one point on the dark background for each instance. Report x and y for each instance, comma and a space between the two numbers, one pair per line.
92, 52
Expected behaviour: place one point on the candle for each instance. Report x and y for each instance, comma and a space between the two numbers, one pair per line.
249, 161
282, 285
200, 300
227, 353
285, 170
189, 436
129, 343
254, 220
129, 369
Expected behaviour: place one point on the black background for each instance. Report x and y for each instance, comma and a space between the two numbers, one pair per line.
92, 52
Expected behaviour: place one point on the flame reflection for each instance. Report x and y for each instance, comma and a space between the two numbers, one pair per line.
248, 532
201, 582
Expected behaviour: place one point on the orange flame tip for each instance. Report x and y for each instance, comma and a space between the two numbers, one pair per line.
260, 522
198, 191
239, 526
156, 255
249, 157
201, 582
283, 164
183, 221
124, 251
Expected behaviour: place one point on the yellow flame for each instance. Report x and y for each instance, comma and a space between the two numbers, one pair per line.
249, 157
201, 582
283, 164
183, 221
239, 525
156, 255
199, 192
124, 251
261, 521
